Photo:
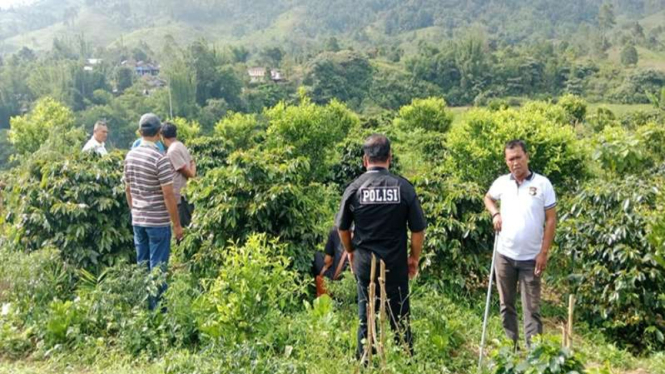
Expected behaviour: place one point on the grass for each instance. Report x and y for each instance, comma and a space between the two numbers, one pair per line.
463, 314
621, 109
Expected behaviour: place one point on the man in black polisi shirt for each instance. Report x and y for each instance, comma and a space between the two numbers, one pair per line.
382, 206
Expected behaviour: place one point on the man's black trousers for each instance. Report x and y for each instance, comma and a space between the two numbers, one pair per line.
398, 310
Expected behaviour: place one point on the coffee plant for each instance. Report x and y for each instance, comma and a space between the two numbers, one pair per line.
258, 191
77, 205
617, 274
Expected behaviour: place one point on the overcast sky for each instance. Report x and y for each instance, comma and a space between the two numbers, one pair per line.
4, 4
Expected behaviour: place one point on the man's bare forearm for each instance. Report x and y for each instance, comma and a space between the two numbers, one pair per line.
490, 205
187, 172
171, 206
128, 195
550, 229
417, 239
345, 237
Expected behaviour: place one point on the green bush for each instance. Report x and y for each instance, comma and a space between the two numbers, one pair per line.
254, 285
187, 130
30, 131
259, 191
312, 131
574, 106
553, 146
457, 248
29, 283
107, 300
241, 130
601, 119
209, 152
620, 152
546, 356
618, 275
77, 205
429, 114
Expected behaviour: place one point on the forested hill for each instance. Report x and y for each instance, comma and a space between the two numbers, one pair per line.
294, 23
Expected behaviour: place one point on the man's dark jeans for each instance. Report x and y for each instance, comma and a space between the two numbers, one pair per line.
398, 310
153, 247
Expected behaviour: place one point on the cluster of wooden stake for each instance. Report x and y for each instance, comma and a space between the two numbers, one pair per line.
372, 340
567, 329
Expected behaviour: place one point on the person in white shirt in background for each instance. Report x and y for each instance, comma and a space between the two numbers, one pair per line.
97, 142
526, 221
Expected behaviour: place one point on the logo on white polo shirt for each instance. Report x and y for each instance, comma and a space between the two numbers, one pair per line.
379, 195
533, 191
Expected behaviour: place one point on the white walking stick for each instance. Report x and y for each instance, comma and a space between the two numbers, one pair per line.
487, 303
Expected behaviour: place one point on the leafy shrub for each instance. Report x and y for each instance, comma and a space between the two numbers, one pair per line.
312, 131
77, 205
618, 275
187, 130
259, 191
637, 85
546, 356
553, 147
180, 321
29, 283
498, 104
652, 137
107, 299
638, 118
30, 131
457, 248
244, 358
440, 323
241, 130
429, 114
253, 285
62, 315
209, 152
574, 106
620, 152
601, 119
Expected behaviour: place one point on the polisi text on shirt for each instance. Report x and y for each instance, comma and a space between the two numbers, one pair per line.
380, 195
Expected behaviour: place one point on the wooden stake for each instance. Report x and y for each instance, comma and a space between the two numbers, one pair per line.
382, 314
569, 331
564, 334
371, 315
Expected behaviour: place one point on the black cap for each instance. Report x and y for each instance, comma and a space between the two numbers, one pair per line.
149, 122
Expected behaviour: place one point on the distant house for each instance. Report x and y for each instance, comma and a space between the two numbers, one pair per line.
90, 63
257, 75
142, 68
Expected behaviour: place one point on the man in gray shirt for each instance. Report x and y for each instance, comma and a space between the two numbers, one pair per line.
184, 167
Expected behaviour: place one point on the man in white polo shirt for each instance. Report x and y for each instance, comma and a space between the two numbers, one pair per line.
97, 142
525, 223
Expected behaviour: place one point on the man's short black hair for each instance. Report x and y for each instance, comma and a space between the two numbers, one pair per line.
377, 148
516, 143
169, 130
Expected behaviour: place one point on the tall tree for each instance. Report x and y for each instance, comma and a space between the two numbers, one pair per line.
181, 80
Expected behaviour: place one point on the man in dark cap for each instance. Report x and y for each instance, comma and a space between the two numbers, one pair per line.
382, 206
149, 188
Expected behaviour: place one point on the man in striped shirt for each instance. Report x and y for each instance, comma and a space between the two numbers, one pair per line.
149, 190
